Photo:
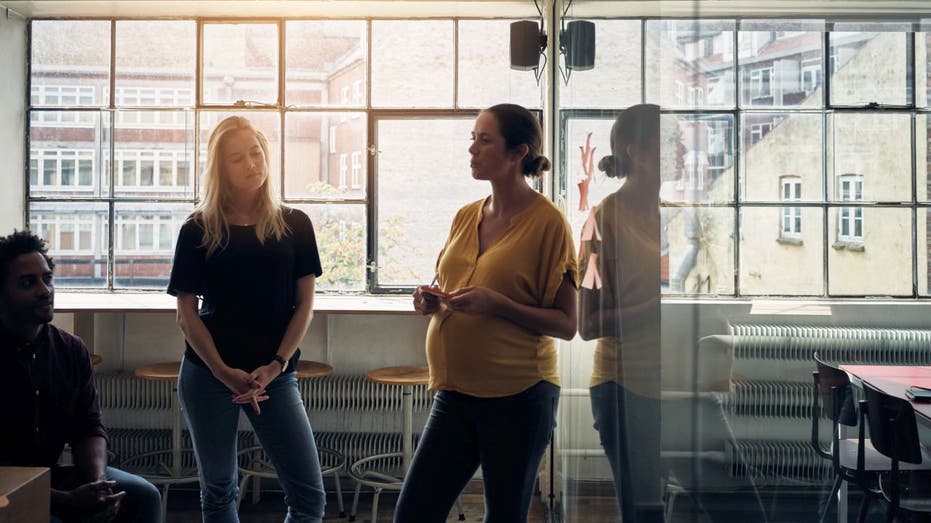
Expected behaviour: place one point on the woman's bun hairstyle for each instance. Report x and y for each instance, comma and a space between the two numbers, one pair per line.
637, 125
519, 127
536, 166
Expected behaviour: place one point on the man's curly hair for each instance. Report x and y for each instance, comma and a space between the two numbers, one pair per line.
19, 243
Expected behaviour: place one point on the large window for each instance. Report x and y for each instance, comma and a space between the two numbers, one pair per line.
754, 111
368, 122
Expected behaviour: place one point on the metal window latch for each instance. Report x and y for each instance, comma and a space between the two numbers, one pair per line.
373, 150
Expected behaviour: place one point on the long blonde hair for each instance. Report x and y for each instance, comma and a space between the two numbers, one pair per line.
210, 212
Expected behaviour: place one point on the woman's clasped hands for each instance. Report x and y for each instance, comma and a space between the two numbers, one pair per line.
248, 388
470, 300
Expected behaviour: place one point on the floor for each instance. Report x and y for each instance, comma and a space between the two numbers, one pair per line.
183, 508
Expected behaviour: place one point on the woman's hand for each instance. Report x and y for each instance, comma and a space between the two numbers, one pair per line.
427, 299
241, 384
262, 376
475, 300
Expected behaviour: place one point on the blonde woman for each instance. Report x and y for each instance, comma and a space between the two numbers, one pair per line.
253, 263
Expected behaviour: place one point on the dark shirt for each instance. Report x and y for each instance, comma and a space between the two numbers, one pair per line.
248, 288
49, 397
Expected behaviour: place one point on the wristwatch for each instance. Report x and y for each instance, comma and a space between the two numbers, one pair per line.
282, 361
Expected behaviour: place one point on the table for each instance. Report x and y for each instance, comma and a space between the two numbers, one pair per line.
24, 494
893, 380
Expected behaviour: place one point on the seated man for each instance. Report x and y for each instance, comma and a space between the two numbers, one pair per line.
49, 398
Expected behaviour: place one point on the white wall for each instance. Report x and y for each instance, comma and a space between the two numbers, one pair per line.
12, 114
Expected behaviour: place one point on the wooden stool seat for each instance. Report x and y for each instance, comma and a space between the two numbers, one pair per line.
96, 359
313, 369
404, 376
159, 371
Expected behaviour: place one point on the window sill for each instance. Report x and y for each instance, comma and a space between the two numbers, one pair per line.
789, 241
67, 302
849, 245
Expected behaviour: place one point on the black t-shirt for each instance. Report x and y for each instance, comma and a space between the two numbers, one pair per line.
248, 288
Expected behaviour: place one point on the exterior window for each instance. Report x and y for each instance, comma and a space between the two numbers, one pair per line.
680, 93
791, 217
62, 169
811, 75
66, 234
357, 93
356, 177
696, 96
343, 168
761, 83
850, 219
758, 131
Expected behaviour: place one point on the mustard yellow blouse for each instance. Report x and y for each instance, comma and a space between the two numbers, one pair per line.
488, 356
628, 266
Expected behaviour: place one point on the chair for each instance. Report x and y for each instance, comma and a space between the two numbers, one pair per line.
853, 460
172, 472
362, 471
257, 465
894, 433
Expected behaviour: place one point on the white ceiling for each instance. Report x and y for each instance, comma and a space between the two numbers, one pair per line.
267, 8
456, 8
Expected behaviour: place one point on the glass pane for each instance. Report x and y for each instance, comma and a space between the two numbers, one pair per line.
876, 148
600, 185
268, 123
341, 240
698, 250
416, 200
70, 63
485, 78
325, 155
615, 82
706, 172
774, 145
870, 251
780, 63
869, 65
66, 150
412, 63
922, 161
325, 63
155, 62
240, 63
691, 63
924, 245
153, 153
774, 238
146, 234
923, 72
80, 259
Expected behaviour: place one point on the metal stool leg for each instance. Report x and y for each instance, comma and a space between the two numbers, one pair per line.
165, 502
339, 496
375, 505
355, 502
242, 489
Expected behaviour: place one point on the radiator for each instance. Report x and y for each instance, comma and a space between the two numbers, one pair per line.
844, 344
775, 462
138, 414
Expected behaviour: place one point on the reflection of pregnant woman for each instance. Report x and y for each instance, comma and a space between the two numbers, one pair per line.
620, 307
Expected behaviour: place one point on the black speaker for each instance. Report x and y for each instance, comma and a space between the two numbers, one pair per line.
578, 45
525, 45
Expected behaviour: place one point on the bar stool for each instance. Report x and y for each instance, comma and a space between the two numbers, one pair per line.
258, 466
405, 377
172, 473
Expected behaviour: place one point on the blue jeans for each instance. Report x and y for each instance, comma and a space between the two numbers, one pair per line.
628, 425
506, 436
282, 428
142, 504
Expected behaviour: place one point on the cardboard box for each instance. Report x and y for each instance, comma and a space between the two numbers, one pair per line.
25, 491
